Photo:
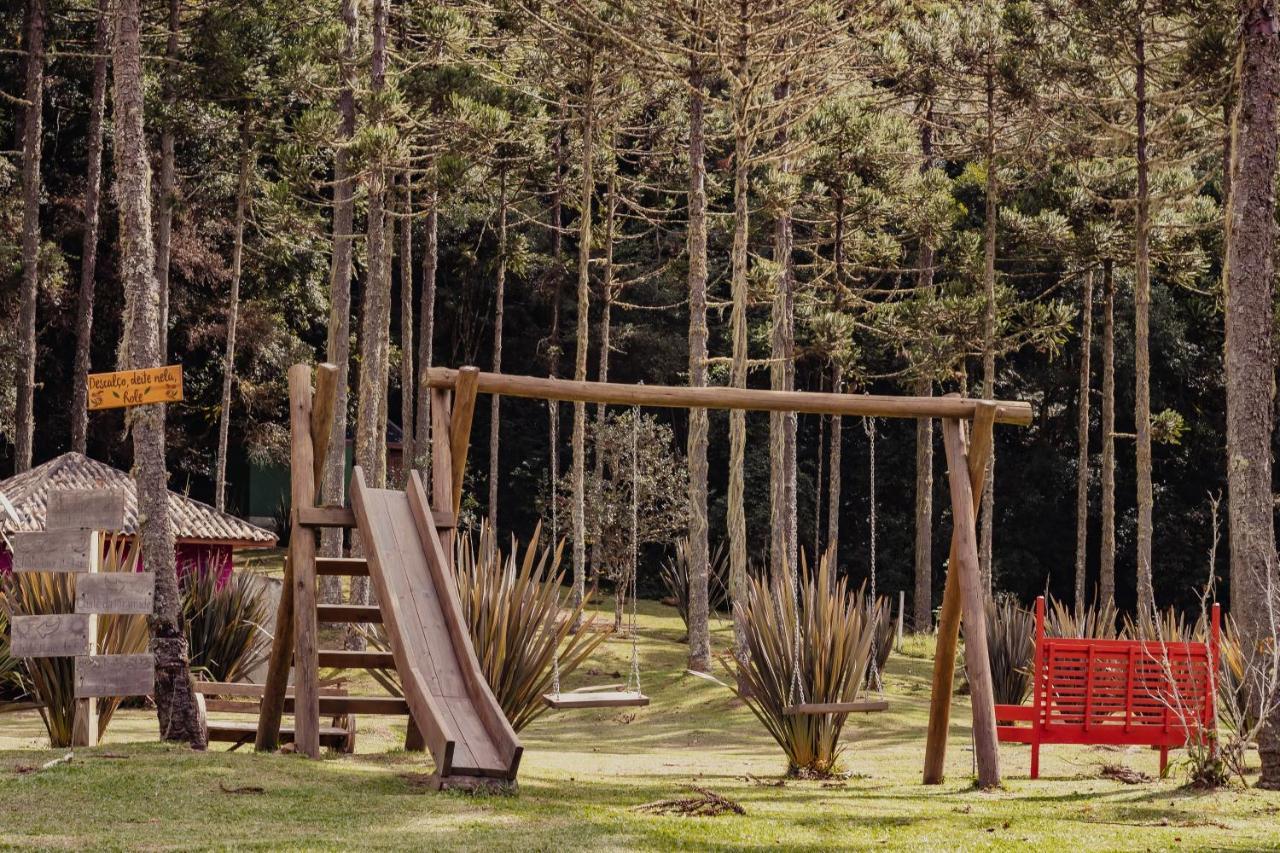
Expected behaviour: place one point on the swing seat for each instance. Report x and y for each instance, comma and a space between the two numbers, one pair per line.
865, 706
595, 699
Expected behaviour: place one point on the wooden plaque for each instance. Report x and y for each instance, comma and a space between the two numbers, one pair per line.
61, 635
115, 592
114, 675
54, 550
85, 509
135, 387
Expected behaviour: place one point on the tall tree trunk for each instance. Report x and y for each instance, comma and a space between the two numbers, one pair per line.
233, 314
499, 305
32, 136
338, 344
89, 237
1250, 283
699, 547
426, 326
835, 464
987, 519
408, 381
1082, 438
820, 483
1142, 327
168, 179
174, 692
553, 347
1107, 556
582, 339
606, 327
922, 603
782, 425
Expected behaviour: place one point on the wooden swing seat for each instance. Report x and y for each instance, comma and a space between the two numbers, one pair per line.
596, 699
866, 706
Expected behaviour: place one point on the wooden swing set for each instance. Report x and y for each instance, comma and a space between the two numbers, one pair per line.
967, 426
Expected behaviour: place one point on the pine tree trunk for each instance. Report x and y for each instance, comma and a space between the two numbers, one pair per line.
32, 137
89, 238
1141, 328
606, 327
922, 604
338, 345
233, 316
168, 178
553, 345
408, 380
582, 340
499, 306
1250, 367
782, 425
1082, 438
699, 547
835, 464
174, 692
1107, 557
820, 483
987, 519
426, 328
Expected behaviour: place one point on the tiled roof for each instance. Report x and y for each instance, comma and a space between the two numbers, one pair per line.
192, 520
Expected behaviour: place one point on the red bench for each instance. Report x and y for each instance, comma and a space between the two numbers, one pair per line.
1123, 692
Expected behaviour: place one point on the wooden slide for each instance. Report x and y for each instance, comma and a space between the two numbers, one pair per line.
452, 705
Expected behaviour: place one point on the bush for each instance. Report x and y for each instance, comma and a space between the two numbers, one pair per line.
675, 577
1092, 622
885, 631
518, 618
836, 638
1011, 647
51, 681
227, 631
10, 667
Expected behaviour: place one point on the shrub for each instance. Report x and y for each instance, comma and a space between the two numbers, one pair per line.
51, 681
885, 631
1091, 622
835, 648
10, 667
227, 631
675, 577
1011, 647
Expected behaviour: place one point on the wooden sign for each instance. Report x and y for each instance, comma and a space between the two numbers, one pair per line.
61, 635
115, 592
85, 509
54, 550
135, 387
114, 675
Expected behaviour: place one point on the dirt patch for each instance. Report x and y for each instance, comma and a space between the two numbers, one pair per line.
1127, 775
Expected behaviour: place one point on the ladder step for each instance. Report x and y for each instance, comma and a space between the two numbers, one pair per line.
331, 706
348, 613
342, 516
355, 567
344, 659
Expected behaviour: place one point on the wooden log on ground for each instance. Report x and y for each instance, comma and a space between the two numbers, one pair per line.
977, 664
944, 660
684, 397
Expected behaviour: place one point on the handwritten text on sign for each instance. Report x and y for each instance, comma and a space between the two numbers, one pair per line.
135, 387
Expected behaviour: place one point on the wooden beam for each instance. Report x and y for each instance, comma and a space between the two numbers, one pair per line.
116, 593
302, 554
370, 613
85, 509
464, 407
944, 659
972, 599
683, 397
114, 675
324, 516
354, 567
322, 414
54, 550
442, 457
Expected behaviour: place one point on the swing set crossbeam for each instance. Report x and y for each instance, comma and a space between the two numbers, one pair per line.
683, 397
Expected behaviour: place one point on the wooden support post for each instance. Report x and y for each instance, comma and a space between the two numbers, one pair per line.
302, 554
902, 606
322, 415
84, 725
977, 664
464, 407
944, 661
442, 461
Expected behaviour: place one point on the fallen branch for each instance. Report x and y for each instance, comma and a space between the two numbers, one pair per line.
707, 803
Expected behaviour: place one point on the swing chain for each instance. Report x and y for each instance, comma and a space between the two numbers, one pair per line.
795, 693
869, 426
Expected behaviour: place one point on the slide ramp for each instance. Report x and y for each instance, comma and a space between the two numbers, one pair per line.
452, 704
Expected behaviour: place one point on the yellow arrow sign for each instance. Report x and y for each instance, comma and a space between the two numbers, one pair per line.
135, 387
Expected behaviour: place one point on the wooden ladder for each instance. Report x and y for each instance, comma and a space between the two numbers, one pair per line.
300, 613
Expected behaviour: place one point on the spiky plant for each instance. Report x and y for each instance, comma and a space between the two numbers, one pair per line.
1167, 626
10, 666
1082, 622
227, 625
675, 577
52, 680
884, 635
1011, 647
518, 618
834, 650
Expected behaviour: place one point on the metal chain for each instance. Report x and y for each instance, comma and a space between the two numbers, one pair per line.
795, 693
634, 676
869, 426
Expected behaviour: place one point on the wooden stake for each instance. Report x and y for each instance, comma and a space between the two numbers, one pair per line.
464, 407
944, 661
84, 726
322, 415
977, 664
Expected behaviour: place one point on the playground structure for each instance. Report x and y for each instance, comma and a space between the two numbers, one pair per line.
408, 538
1117, 692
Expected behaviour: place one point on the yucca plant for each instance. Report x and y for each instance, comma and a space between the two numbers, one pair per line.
10, 666
518, 617
1166, 626
1011, 647
227, 626
1237, 711
675, 577
885, 630
835, 647
52, 680
1082, 622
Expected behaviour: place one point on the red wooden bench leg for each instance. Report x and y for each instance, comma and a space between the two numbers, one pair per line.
1164, 759
1035, 760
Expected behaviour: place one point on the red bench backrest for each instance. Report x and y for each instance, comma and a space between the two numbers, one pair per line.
1119, 685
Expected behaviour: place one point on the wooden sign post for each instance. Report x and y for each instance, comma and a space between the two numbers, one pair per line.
135, 387
71, 542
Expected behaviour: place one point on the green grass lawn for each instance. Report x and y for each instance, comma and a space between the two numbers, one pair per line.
584, 773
